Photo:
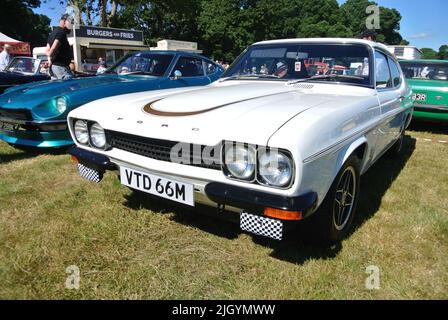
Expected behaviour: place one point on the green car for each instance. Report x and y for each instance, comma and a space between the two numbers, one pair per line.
429, 82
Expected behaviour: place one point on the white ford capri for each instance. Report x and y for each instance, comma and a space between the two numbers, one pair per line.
283, 136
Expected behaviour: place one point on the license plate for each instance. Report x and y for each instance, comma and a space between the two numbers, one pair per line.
8, 126
158, 186
419, 96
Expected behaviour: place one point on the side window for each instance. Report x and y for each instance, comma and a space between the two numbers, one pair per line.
190, 67
210, 67
395, 72
383, 79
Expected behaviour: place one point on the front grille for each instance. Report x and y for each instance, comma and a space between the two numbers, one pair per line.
161, 149
16, 114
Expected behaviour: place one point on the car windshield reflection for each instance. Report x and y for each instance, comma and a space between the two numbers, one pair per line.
143, 63
342, 63
425, 70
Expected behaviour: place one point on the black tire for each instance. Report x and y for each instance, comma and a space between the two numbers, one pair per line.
329, 225
397, 147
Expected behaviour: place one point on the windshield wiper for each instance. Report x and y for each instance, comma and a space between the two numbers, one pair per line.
325, 77
245, 76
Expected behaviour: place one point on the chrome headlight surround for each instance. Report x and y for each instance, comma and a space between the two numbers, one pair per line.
239, 161
81, 131
97, 136
90, 133
275, 168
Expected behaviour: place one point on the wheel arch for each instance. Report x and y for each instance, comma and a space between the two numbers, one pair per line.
358, 147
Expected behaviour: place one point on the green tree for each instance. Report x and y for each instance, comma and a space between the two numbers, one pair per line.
429, 53
223, 28
443, 52
89, 10
169, 19
226, 27
354, 16
18, 21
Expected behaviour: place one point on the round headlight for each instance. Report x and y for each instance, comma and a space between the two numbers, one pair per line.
275, 168
97, 136
61, 104
240, 161
81, 131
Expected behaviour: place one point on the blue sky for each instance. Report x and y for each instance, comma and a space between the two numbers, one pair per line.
424, 23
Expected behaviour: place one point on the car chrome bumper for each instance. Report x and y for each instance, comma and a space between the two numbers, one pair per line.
214, 194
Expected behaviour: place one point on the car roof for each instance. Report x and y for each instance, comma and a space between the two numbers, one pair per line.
424, 60
175, 52
326, 40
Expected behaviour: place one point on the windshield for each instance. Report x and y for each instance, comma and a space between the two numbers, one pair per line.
24, 65
347, 63
425, 70
146, 63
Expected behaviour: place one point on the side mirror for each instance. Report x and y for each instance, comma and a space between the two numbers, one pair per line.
176, 75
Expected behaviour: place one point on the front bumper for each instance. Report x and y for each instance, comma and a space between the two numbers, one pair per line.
36, 133
431, 112
245, 201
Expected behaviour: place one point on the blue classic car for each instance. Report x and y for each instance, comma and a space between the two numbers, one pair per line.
34, 114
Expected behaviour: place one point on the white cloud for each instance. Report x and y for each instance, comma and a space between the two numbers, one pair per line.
421, 35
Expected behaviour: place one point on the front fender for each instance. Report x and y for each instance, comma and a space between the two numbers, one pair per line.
319, 174
349, 149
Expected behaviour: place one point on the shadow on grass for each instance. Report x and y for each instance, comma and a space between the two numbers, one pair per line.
435, 127
202, 217
294, 248
29, 152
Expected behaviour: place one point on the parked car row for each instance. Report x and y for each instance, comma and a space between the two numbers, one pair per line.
35, 114
271, 140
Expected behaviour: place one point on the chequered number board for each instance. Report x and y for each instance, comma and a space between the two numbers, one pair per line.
89, 173
261, 226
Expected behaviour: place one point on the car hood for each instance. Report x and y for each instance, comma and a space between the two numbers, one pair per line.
246, 112
77, 90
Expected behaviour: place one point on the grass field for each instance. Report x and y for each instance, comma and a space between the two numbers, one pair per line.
127, 247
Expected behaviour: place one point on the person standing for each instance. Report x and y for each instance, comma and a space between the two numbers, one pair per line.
59, 51
5, 57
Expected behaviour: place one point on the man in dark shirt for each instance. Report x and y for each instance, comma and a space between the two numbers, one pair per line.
59, 51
